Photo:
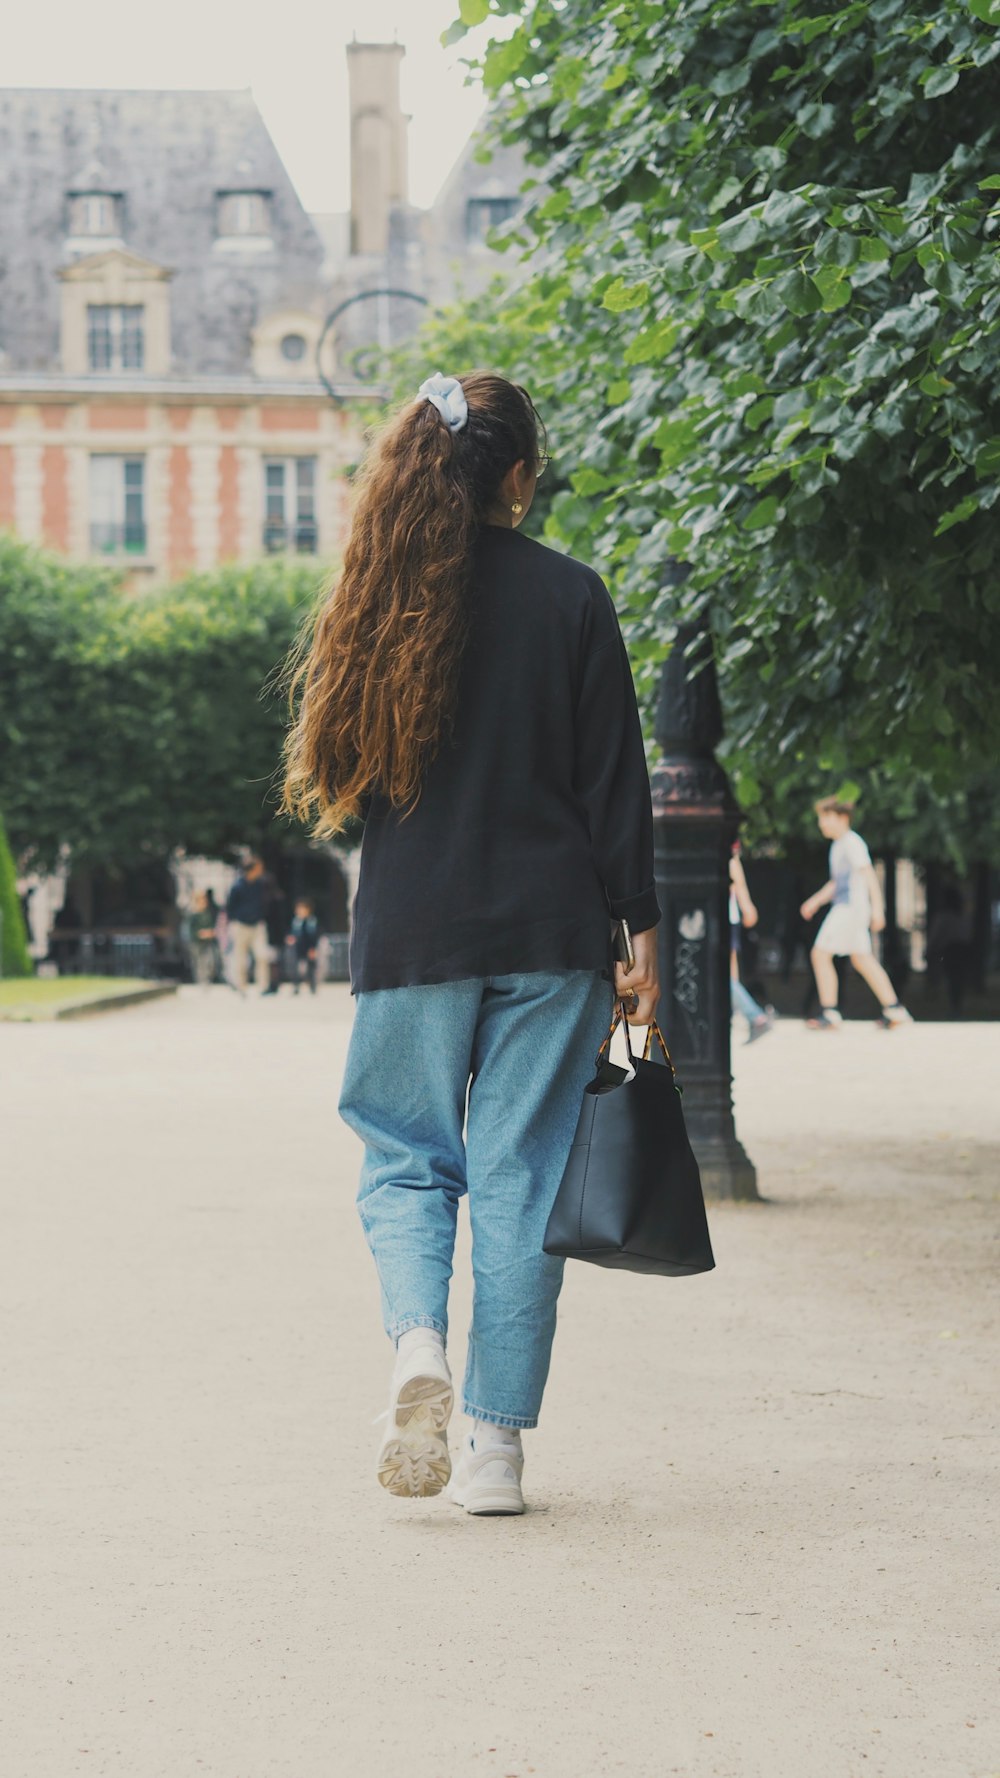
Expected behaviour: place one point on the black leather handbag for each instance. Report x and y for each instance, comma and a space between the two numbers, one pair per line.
631, 1193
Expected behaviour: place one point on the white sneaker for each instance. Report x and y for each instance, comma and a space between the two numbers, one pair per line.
414, 1459
893, 1017
488, 1481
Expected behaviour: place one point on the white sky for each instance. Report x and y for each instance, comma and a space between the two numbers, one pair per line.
290, 52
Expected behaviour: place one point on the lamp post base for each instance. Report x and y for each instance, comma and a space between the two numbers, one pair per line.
695, 820
726, 1169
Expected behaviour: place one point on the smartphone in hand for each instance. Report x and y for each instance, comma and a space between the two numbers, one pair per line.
621, 939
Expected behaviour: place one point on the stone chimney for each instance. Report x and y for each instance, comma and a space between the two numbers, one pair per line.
378, 143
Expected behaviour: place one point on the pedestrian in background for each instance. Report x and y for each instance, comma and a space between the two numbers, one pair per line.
246, 910
200, 940
743, 912
302, 945
854, 897
468, 693
276, 921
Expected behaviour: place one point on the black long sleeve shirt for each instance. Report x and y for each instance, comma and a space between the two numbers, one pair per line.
247, 900
534, 825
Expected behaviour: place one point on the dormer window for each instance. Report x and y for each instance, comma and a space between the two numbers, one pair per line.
95, 215
284, 346
485, 213
115, 336
242, 215
115, 315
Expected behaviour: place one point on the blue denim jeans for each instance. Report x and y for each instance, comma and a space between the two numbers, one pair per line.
526, 1043
743, 1001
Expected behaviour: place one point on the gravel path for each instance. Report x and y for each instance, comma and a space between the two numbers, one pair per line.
762, 1532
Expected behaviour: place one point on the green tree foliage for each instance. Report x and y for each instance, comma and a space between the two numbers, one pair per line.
763, 318
15, 959
133, 725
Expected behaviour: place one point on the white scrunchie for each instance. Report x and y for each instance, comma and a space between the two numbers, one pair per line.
448, 396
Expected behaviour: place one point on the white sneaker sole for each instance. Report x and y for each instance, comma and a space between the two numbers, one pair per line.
490, 1503
414, 1459
491, 1498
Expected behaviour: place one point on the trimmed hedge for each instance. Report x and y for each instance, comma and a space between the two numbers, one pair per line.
15, 958
134, 724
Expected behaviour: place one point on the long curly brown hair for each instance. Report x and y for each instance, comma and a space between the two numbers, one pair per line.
374, 689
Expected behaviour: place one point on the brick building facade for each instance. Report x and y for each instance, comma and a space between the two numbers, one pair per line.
162, 296
162, 293
172, 482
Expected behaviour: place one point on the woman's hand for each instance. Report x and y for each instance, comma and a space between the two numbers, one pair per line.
639, 987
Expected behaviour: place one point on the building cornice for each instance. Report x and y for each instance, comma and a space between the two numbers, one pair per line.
42, 387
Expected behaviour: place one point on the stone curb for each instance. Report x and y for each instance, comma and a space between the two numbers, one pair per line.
83, 1008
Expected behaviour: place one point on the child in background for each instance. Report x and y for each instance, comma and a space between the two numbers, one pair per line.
198, 932
856, 911
302, 944
743, 912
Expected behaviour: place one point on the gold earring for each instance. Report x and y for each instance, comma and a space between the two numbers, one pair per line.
517, 509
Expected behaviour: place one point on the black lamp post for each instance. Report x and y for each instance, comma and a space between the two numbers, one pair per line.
695, 822
384, 292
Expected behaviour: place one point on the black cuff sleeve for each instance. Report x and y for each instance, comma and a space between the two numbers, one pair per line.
641, 911
611, 776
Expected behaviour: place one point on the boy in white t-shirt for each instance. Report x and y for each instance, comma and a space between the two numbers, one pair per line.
856, 911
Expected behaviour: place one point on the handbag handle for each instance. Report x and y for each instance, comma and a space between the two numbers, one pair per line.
653, 1031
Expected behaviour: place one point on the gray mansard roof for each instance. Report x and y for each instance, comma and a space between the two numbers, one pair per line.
167, 154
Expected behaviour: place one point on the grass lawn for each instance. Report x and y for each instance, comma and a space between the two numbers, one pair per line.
35, 997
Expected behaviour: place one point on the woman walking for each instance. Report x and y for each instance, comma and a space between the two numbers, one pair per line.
467, 693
